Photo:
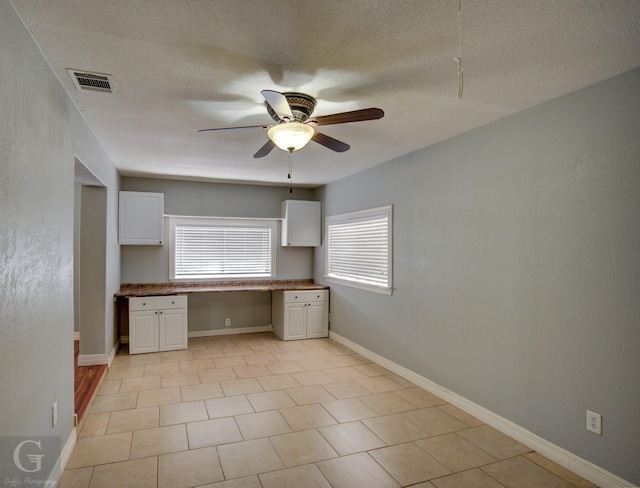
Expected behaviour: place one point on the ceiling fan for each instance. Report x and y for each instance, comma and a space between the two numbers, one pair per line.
294, 128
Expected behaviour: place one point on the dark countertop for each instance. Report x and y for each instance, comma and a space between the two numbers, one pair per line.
149, 289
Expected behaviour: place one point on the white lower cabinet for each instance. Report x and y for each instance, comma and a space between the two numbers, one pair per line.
300, 314
157, 324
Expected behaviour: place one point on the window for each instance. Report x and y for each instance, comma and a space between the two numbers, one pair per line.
213, 248
359, 249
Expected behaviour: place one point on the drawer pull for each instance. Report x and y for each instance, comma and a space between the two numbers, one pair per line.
144, 303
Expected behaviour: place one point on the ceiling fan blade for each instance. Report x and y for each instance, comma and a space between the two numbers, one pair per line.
278, 103
264, 126
264, 150
344, 117
330, 142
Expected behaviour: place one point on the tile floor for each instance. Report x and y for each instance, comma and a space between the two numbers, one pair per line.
251, 411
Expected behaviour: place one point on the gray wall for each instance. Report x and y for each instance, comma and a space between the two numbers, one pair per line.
41, 133
517, 268
150, 264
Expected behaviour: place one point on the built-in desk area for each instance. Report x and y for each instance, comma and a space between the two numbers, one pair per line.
153, 316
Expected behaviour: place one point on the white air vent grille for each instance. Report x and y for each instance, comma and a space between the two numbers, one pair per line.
84, 80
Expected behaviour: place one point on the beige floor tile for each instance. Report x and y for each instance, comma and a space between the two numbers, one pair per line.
317, 352
454, 452
228, 406
357, 470
95, 424
252, 371
208, 353
216, 375
76, 478
109, 387
144, 359
260, 358
271, 348
262, 424
379, 384
519, 472
179, 413
162, 368
494, 442
349, 409
420, 398
213, 432
189, 468
248, 482
140, 473
307, 417
117, 401
142, 383
345, 373
180, 379
103, 449
133, 419
305, 395
303, 447
434, 421
162, 396
284, 367
237, 350
292, 345
201, 392
270, 400
408, 464
342, 361
288, 356
351, 438
563, 473
346, 389
314, 364
277, 382
195, 365
121, 361
474, 478
160, 440
309, 378
121, 373
370, 369
387, 403
308, 476
240, 387
395, 429
460, 415
248, 457
170, 356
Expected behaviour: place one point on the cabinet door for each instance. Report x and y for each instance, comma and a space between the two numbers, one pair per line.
317, 320
295, 326
301, 224
143, 331
172, 325
140, 218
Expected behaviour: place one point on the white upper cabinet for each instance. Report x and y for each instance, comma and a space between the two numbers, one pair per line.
301, 223
140, 218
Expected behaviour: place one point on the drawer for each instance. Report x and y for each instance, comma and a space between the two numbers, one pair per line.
306, 296
157, 303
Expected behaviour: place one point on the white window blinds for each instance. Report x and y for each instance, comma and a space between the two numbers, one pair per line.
217, 248
359, 248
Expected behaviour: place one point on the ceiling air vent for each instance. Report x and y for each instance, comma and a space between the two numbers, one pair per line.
91, 81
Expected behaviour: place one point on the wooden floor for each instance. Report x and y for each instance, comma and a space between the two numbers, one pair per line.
86, 381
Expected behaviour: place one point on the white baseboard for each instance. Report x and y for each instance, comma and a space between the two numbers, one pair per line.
113, 353
92, 359
557, 454
229, 331
65, 455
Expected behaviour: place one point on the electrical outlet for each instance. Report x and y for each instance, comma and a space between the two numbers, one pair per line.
227, 322
54, 414
594, 422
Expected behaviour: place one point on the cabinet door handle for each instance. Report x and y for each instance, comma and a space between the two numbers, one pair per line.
156, 312
144, 304
160, 312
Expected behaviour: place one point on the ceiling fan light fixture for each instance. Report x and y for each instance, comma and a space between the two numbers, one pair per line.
290, 136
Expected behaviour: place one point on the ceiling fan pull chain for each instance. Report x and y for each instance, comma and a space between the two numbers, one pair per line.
290, 171
459, 58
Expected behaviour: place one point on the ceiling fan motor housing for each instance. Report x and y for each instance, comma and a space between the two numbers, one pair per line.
302, 106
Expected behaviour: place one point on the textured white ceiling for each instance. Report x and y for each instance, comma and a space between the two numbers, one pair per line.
183, 65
